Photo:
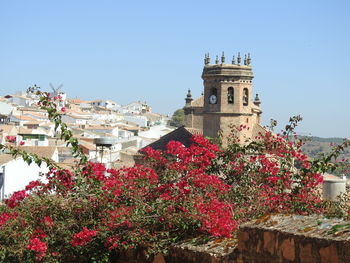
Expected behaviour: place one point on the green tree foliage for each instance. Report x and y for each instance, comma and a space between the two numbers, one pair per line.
178, 118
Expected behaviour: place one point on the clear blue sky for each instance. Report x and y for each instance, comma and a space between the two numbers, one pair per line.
153, 51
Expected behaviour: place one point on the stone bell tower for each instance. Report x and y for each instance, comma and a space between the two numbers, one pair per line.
228, 97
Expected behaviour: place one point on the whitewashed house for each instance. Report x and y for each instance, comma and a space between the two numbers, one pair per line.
139, 120
33, 137
15, 173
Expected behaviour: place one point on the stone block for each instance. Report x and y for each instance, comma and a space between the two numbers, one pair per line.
329, 254
305, 253
242, 238
159, 258
269, 242
288, 249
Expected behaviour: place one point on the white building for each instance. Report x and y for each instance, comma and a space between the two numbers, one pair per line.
139, 120
15, 174
104, 103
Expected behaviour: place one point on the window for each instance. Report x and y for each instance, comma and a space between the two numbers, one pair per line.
245, 97
230, 97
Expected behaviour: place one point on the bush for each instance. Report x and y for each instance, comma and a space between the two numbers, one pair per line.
184, 192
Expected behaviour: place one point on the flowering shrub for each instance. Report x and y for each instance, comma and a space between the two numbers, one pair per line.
11, 139
183, 192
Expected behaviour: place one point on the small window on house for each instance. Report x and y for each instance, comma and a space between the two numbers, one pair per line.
245, 97
230, 99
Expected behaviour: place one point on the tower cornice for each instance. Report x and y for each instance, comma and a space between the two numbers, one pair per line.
227, 70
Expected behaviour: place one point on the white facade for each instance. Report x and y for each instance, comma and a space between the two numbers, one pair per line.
141, 121
75, 120
155, 132
5, 108
104, 103
17, 174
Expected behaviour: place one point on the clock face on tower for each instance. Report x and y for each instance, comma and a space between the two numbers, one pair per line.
212, 99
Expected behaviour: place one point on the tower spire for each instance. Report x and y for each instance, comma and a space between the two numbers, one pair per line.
245, 59
188, 98
239, 59
233, 60
249, 59
257, 100
217, 60
222, 58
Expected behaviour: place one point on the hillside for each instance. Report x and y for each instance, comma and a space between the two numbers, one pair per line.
317, 145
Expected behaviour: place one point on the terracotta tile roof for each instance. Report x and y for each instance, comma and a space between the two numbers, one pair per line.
23, 130
89, 146
99, 127
43, 151
24, 118
72, 112
32, 122
75, 101
199, 102
35, 114
8, 129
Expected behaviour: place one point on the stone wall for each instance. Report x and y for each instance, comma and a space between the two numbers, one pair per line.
297, 239
272, 239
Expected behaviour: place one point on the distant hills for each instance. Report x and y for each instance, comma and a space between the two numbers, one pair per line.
316, 145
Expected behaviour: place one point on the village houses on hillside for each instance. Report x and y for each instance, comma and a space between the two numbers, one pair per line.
23, 124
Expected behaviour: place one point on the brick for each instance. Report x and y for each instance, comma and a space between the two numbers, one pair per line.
159, 258
258, 246
242, 238
329, 254
269, 242
305, 254
288, 249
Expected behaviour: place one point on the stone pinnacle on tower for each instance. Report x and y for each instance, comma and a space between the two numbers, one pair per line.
257, 100
249, 59
222, 58
239, 59
205, 59
188, 98
233, 60
245, 59
217, 60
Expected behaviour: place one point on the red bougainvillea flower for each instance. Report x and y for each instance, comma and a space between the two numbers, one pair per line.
4, 217
40, 247
48, 221
38, 233
10, 138
83, 237
32, 185
16, 198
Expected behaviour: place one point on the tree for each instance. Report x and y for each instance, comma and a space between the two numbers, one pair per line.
178, 118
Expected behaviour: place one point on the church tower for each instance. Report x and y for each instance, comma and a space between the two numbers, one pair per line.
228, 97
